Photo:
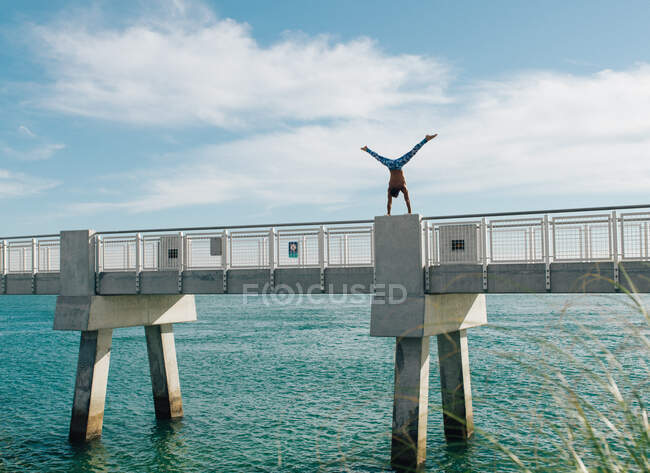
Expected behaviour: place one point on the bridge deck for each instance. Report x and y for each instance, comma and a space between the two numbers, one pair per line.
454, 278
536, 252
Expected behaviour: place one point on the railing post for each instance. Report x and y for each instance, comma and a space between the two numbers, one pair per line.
3, 265
483, 243
322, 263
226, 258
614, 244
138, 261
181, 260
34, 268
272, 257
34, 265
547, 252
621, 256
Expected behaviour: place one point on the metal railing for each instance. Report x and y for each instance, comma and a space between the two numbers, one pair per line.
577, 235
341, 246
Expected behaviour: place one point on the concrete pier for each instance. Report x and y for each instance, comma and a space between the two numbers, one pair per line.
401, 308
410, 405
79, 308
165, 383
453, 356
90, 386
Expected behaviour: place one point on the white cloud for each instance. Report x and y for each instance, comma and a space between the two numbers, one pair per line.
539, 132
36, 153
188, 70
14, 184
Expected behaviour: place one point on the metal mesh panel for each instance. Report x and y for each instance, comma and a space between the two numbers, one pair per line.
19, 257
49, 256
118, 254
635, 229
516, 241
249, 250
307, 249
349, 247
150, 247
581, 238
198, 252
458, 243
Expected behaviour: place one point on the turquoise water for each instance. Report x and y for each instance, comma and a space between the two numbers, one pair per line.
302, 387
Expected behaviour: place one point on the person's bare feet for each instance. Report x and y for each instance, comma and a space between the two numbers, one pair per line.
430, 137
365, 148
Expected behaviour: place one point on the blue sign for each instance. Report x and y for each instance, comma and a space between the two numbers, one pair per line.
293, 249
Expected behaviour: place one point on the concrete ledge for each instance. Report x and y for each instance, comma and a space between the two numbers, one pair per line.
18, 283
582, 277
349, 280
423, 316
48, 283
456, 278
116, 283
517, 278
159, 282
635, 276
300, 280
100, 312
203, 282
260, 278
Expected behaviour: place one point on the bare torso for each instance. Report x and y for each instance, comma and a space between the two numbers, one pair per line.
397, 180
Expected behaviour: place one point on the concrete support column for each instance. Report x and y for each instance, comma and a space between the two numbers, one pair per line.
90, 386
165, 382
453, 356
410, 405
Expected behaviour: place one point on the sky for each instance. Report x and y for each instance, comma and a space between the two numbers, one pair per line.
169, 113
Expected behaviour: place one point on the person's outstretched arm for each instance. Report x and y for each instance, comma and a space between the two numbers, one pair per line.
407, 157
385, 161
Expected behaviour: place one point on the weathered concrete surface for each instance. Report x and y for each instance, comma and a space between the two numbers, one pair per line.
516, 278
582, 277
100, 312
635, 276
398, 253
203, 282
77, 263
163, 367
399, 302
453, 357
113, 283
159, 282
47, 283
256, 280
18, 283
349, 280
299, 280
410, 404
90, 385
429, 315
456, 278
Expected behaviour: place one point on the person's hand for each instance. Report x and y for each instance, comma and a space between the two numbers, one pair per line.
365, 148
430, 137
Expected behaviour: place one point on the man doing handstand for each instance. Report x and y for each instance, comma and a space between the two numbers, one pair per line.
397, 182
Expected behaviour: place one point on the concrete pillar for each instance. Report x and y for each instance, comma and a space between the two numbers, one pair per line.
90, 386
403, 308
453, 356
410, 405
165, 382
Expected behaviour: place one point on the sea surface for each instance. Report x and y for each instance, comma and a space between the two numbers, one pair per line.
299, 385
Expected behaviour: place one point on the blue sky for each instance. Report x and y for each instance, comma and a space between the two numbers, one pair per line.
183, 113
